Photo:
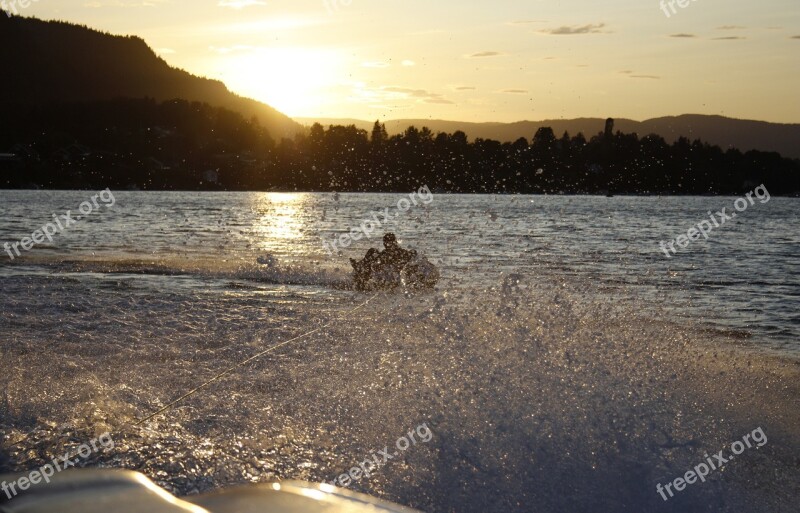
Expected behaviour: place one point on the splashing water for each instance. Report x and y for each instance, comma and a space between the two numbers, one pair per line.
544, 391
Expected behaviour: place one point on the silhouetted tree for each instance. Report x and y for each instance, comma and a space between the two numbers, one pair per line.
190, 145
379, 135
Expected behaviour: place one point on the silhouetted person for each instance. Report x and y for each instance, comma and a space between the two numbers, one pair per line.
393, 255
364, 268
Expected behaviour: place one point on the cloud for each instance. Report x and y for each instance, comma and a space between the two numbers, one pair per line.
442, 101
485, 54
729, 38
514, 91
731, 27
465, 88
682, 35
576, 29
239, 4
795, 37
631, 75
420, 94
408, 62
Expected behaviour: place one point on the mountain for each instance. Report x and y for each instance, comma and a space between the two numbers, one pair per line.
718, 130
48, 61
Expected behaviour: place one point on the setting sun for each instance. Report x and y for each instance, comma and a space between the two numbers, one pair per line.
296, 81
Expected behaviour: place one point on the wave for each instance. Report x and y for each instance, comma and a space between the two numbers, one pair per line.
264, 270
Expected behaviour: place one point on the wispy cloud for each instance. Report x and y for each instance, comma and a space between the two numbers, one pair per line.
464, 88
682, 35
730, 38
485, 54
731, 27
795, 37
419, 94
568, 30
514, 91
632, 74
442, 101
239, 4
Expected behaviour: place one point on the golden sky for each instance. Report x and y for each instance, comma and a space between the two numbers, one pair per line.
505, 60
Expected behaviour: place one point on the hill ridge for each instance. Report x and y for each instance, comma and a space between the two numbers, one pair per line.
56, 61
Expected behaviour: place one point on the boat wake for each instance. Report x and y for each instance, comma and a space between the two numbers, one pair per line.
539, 396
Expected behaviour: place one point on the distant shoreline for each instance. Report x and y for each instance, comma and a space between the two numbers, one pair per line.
401, 191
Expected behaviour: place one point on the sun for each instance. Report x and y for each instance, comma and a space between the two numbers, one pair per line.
296, 81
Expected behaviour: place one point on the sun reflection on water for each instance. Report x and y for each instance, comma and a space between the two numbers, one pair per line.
280, 219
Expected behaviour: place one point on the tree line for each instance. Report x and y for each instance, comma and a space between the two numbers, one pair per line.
181, 145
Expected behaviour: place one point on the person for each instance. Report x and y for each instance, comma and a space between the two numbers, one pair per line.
381, 269
393, 255
364, 269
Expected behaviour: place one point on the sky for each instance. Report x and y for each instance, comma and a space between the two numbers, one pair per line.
504, 60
